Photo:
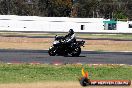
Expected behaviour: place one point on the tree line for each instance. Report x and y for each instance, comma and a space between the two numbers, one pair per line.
119, 9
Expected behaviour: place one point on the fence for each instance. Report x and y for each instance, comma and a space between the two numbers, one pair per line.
59, 24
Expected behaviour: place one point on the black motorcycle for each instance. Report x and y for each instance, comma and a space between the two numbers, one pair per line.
60, 47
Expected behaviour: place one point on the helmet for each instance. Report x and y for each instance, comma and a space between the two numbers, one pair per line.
71, 31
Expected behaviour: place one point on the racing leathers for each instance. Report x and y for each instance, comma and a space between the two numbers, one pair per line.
70, 38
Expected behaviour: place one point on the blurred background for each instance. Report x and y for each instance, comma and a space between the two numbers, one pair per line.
118, 9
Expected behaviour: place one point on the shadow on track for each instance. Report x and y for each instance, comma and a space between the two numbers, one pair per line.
83, 52
74, 56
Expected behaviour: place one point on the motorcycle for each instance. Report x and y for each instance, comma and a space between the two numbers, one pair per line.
60, 47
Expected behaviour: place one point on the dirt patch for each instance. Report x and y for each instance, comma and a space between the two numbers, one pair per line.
45, 43
108, 45
55, 85
25, 43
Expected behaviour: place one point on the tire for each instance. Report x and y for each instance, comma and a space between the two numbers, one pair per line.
76, 52
52, 51
84, 82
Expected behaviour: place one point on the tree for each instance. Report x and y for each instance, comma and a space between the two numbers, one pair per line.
87, 8
3, 7
66, 8
55, 7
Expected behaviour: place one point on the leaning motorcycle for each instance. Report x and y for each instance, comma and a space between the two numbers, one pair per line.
61, 48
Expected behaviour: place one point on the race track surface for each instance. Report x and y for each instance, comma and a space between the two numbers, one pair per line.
86, 57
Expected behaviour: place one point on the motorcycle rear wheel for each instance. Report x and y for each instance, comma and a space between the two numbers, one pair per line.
76, 52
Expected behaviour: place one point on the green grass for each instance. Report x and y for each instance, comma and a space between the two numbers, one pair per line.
113, 36
21, 73
30, 34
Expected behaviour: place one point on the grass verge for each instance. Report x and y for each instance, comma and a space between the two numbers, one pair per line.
26, 73
80, 35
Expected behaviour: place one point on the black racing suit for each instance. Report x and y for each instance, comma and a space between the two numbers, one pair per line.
70, 38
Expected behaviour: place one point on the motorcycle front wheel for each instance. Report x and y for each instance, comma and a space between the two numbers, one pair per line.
76, 52
52, 51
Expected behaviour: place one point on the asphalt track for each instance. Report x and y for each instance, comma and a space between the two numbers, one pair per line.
86, 57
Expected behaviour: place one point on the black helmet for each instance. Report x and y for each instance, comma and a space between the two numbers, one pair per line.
71, 31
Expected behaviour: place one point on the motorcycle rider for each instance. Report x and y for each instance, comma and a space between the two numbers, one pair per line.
70, 37
65, 45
